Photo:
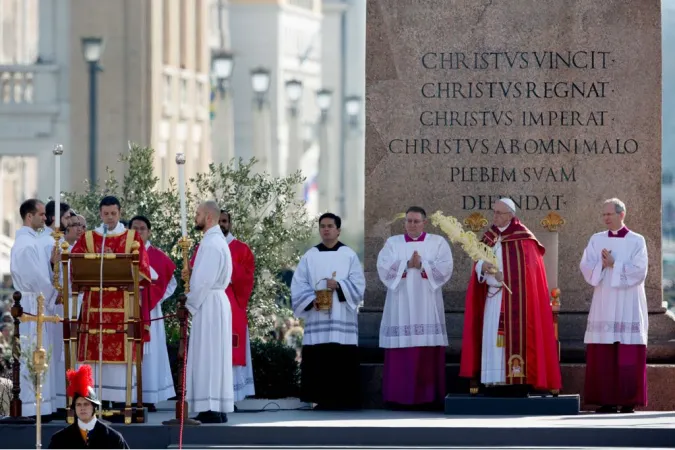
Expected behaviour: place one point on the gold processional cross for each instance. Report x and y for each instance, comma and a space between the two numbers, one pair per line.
39, 360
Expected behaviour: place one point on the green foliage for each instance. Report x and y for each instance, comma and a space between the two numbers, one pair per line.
276, 372
33, 378
265, 215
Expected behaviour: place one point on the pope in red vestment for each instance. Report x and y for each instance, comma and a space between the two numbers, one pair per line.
238, 292
119, 240
525, 327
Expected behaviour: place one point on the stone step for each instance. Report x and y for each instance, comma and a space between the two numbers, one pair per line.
660, 394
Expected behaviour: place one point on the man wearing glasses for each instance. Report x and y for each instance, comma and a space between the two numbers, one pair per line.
508, 341
414, 267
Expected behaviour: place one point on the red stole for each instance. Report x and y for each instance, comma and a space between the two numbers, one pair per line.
114, 345
526, 319
165, 268
238, 292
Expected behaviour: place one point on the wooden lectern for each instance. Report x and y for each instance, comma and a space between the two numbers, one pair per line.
82, 272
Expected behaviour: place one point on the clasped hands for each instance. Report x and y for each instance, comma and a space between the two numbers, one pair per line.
607, 259
415, 262
490, 268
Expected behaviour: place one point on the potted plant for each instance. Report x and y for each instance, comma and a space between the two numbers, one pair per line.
276, 375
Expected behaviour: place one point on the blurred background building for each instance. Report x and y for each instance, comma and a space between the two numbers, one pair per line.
279, 80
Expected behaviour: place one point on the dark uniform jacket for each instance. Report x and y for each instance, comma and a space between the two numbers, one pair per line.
102, 436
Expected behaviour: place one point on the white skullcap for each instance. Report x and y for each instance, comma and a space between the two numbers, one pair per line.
509, 203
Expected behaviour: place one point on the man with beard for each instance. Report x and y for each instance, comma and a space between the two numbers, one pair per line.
209, 387
56, 372
239, 292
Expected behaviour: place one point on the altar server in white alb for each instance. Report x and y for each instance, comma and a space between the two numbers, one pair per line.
56, 372
209, 382
615, 264
414, 267
330, 368
30, 276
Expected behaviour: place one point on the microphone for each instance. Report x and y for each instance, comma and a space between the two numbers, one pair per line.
100, 323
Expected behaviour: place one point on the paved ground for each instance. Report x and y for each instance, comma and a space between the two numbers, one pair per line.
399, 419
381, 429
413, 448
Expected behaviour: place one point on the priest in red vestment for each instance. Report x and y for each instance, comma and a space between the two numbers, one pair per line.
508, 337
239, 292
117, 240
157, 379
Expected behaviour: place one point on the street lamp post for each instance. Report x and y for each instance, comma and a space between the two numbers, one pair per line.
352, 110
260, 81
294, 94
92, 49
222, 127
262, 129
324, 99
222, 64
295, 150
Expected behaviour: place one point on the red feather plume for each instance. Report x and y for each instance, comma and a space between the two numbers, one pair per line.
79, 382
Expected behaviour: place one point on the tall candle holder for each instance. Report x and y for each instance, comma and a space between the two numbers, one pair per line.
56, 233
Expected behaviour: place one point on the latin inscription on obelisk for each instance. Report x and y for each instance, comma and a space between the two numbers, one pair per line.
556, 105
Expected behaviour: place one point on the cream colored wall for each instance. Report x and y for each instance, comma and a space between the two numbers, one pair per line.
134, 101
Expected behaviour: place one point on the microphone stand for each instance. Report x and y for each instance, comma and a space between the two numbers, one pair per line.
100, 326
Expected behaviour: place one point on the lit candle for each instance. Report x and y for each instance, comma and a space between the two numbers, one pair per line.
58, 151
180, 160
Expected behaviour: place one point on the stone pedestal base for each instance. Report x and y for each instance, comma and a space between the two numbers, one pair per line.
660, 394
479, 405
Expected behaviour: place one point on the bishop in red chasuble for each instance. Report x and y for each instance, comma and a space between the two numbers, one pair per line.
117, 240
508, 337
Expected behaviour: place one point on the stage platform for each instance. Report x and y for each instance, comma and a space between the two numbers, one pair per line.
381, 428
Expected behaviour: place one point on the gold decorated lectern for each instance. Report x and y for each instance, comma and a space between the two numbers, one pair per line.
110, 272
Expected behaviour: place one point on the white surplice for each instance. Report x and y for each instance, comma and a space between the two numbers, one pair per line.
209, 380
492, 368
339, 324
56, 372
414, 314
157, 379
30, 276
619, 307
244, 385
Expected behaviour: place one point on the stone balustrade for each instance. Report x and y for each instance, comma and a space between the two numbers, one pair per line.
23, 84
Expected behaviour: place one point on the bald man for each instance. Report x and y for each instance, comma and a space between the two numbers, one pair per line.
209, 383
508, 342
